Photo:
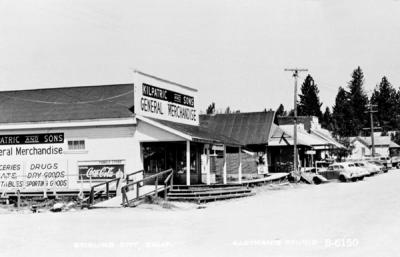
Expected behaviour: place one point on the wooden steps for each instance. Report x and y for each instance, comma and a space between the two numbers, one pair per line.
204, 189
206, 194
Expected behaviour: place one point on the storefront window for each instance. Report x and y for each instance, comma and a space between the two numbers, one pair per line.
159, 156
76, 145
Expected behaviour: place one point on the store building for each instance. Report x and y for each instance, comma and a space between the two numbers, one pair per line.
67, 139
253, 131
314, 143
361, 147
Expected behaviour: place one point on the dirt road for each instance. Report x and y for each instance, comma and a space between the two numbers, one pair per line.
335, 219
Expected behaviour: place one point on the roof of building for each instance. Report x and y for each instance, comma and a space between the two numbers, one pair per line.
288, 120
199, 133
378, 141
304, 136
252, 128
325, 134
280, 138
67, 103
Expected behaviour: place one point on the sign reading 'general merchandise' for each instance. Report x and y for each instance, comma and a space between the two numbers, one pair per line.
161, 99
32, 162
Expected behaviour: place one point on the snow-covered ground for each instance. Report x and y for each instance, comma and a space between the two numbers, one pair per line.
335, 219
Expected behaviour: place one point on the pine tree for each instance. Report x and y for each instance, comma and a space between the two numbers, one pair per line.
228, 110
385, 97
280, 112
342, 125
395, 137
211, 109
327, 121
309, 104
358, 102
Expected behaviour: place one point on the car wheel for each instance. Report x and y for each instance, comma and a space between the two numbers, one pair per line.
316, 180
354, 179
342, 178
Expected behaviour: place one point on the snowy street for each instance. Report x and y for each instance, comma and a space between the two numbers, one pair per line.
334, 219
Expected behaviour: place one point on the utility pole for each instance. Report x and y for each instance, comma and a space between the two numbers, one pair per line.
295, 72
371, 116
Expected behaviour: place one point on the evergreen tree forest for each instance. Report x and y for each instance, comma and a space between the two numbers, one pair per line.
349, 114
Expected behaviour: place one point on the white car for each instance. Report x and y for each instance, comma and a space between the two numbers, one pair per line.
372, 168
346, 171
381, 168
365, 168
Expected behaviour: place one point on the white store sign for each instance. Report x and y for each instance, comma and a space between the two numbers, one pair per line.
161, 99
32, 162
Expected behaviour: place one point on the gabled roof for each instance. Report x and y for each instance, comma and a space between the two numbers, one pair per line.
252, 128
280, 138
325, 134
304, 136
196, 133
65, 104
378, 141
393, 145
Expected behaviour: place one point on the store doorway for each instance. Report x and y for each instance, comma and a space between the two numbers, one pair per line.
159, 156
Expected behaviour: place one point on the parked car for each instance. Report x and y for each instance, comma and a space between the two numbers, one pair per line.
345, 171
382, 167
395, 160
385, 161
372, 169
360, 170
322, 165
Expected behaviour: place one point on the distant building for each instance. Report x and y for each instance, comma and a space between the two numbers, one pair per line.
362, 147
312, 139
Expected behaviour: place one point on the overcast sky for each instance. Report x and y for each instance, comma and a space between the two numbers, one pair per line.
233, 52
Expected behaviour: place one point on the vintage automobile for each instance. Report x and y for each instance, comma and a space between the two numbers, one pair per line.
395, 160
367, 168
378, 164
385, 161
345, 171
374, 168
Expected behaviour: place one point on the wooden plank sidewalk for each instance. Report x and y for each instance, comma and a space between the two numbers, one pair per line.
116, 202
271, 178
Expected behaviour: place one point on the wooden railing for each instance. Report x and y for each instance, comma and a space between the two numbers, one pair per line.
128, 176
107, 184
90, 200
168, 183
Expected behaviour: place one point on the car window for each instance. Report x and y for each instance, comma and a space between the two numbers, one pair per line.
341, 167
351, 165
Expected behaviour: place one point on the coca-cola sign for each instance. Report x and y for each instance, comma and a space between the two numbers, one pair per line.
101, 172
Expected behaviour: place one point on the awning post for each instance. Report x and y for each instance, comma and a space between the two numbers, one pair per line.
240, 165
188, 163
224, 167
208, 168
